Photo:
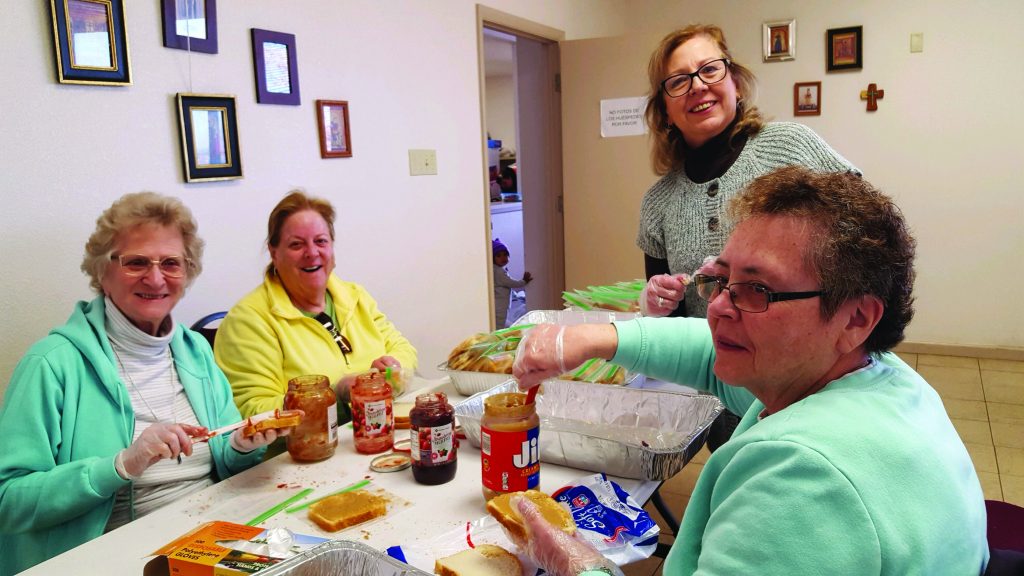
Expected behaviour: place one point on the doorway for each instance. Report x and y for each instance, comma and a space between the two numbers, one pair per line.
522, 135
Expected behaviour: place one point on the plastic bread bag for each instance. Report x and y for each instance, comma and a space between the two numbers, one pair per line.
610, 519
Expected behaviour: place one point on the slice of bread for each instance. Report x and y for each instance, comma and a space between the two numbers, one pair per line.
484, 560
401, 411
501, 508
280, 419
347, 509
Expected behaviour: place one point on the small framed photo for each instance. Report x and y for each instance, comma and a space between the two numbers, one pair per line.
91, 41
209, 137
807, 99
779, 40
332, 118
844, 50
277, 69
190, 25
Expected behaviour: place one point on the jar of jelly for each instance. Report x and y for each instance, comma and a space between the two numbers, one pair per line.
373, 422
433, 445
316, 437
509, 445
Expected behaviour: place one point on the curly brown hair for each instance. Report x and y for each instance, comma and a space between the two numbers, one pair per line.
667, 147
296, 201
861, 244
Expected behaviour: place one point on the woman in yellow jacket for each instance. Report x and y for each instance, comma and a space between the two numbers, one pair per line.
303, 319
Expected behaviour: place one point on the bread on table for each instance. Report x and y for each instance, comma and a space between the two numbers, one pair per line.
347, 509
501, 508
280, 419
401, 411
484, 560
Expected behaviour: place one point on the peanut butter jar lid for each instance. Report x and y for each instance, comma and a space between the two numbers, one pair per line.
391, 462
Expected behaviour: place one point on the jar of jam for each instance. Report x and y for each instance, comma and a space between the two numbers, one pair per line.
316, 437
432, 434
509, 445
372, 420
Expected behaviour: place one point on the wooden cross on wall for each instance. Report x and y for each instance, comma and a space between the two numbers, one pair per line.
872, 95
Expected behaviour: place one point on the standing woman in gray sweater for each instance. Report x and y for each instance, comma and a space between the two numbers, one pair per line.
709, 141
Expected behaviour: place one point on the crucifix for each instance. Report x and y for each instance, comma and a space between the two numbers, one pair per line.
872, 95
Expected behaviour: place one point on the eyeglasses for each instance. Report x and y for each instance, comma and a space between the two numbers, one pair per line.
746, 296
713, 72
138, 265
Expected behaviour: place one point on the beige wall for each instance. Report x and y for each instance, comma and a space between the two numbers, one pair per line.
410, 72
945, 141
501, 111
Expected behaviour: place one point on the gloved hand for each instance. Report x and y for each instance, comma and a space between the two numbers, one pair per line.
707, 267
385, 362
549, 350
552, 549
160, 440
663, 294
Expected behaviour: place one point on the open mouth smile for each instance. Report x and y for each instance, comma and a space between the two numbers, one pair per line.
312, 268
702, 106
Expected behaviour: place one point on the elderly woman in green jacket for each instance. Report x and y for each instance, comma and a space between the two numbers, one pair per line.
100, 417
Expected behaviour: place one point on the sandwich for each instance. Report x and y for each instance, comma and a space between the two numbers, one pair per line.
501, 508
347, 509
401, 412
280, 419
484, 560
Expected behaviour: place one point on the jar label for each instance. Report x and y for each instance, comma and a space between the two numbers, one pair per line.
332, 423
432, 446
376, 417
510, 461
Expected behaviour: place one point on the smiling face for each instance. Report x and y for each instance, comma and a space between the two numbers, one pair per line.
790, 350
705, 111
145, 300
304, 256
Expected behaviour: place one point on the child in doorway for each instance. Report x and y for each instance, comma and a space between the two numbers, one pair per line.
503, 283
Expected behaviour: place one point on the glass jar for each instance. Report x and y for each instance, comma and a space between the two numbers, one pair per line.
316, 437
432, 439
509, 445
372, 419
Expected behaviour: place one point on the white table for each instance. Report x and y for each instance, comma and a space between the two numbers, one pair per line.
425, 512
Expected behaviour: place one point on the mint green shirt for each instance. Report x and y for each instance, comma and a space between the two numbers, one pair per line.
866, 476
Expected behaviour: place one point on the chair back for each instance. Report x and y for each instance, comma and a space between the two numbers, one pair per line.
1005, 539
207, 325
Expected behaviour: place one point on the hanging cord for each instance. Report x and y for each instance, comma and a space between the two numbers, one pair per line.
190, 13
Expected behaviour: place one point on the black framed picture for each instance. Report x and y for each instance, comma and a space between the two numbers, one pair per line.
190, 25
91, 42
844, 49
208, 125
277, 69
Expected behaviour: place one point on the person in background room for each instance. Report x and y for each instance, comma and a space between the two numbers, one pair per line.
709, 140
303, 319
508, 181
100, 419
845, 461
503, 283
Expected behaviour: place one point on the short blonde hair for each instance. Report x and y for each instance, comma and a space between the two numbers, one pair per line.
137, 209
668, 147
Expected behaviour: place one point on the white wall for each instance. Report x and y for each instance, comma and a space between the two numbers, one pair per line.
945, 141
410, 72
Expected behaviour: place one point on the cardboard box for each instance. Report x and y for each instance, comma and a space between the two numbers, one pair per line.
221, 549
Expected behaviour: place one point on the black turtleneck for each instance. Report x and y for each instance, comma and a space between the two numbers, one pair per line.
716, 156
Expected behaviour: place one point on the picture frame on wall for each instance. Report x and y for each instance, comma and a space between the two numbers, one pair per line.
190, 25
779, 40
844, 48
277, 68
91, 42
208, 126
332, 120
807, 99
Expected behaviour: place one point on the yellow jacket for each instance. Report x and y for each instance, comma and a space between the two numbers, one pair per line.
264, 341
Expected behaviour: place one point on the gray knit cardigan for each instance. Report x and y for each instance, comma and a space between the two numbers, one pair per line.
684, 222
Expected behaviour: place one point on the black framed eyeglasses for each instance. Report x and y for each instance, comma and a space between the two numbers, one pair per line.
680, 84
746, 296
139, 265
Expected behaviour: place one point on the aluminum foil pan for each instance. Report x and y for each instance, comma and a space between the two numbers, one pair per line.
626, 432
343, 557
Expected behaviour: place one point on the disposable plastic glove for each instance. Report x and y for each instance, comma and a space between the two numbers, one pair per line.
707, 267
160, 440
662, 294
540, 355
552, 549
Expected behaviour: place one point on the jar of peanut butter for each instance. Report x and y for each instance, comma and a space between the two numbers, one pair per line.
509, 445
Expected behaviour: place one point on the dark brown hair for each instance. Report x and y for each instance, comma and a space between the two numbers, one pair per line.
296, 201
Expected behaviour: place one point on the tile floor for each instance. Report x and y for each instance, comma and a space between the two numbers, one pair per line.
985, 401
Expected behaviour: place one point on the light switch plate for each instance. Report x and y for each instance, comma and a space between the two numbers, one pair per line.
917, 42
422, 162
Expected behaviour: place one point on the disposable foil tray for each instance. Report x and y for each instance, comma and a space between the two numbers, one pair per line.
626, 432
342, 557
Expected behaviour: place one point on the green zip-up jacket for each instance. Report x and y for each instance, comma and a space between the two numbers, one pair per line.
66, 415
